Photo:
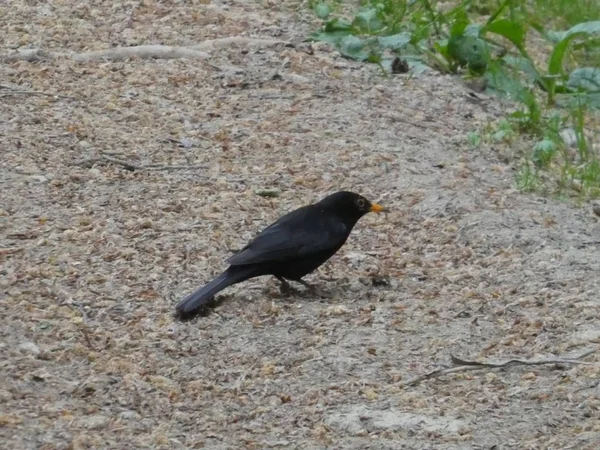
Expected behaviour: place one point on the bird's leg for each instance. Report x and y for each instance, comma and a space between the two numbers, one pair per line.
313, 289
285, 288
307, 285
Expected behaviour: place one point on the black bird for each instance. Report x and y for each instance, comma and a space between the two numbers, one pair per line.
293, 246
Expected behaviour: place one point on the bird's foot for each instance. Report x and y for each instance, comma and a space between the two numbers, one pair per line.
286, 288
314, 290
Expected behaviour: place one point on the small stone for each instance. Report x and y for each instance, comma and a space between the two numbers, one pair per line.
30, 347
38, 178
380, 280
129, 415
569, 137
355, 286
528, 376
5, 396
94, 422
390, 297
95, 173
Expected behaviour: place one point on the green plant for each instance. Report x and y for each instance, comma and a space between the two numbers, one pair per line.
474, 139
527, 178
555, 90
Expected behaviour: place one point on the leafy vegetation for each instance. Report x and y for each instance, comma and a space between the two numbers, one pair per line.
518, 49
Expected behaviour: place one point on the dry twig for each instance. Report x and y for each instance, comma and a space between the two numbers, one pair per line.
47, 94
198, 51
235, 41
13, 90
468, 366
127, 165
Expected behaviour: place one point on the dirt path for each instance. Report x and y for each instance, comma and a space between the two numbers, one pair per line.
94, 256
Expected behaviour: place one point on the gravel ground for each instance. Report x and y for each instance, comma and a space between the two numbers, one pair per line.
95, 255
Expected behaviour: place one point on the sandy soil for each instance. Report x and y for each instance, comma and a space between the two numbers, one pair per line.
94, 256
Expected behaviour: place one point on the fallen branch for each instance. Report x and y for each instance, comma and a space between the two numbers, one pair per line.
469, 366
197, 51
132, 167
47, 94
10, 90
105, 158
182, 167
110, 54
140, 51
524, 362
235, 41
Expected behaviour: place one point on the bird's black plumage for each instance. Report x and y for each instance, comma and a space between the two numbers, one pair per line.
293, 246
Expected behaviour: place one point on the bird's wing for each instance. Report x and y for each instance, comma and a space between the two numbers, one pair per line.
296, 235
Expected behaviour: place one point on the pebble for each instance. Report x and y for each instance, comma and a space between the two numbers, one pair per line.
30, 347
38, 178
94, 422
128, 414
355, 286
95, 173
5, 396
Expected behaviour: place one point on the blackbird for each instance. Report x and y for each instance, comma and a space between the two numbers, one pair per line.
293, 246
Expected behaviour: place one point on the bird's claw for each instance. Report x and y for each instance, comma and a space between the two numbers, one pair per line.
314, 290
287, 289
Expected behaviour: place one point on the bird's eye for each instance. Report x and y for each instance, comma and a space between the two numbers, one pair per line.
361, 203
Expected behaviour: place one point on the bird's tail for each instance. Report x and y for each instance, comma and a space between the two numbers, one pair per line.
201, 296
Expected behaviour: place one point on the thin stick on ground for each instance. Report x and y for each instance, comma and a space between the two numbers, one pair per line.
197, 51
132, 167
469, 366
46, 94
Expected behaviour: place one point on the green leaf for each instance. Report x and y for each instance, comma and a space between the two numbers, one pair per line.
442, 48
543, 152
338, 25
333, 32
367, 21
501, 81
332, 37
374, 58
513, 31
581, 28
395, 42
558, 54
416, 64
474, 139
585, 79
354, 47
548, 35
469, 51
593, 100
578, 100
460, 23
473, 29
522, 64
322, 10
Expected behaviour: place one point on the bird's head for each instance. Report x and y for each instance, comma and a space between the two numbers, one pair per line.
350, 205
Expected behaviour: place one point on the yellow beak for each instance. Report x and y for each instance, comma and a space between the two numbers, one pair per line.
375, 207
